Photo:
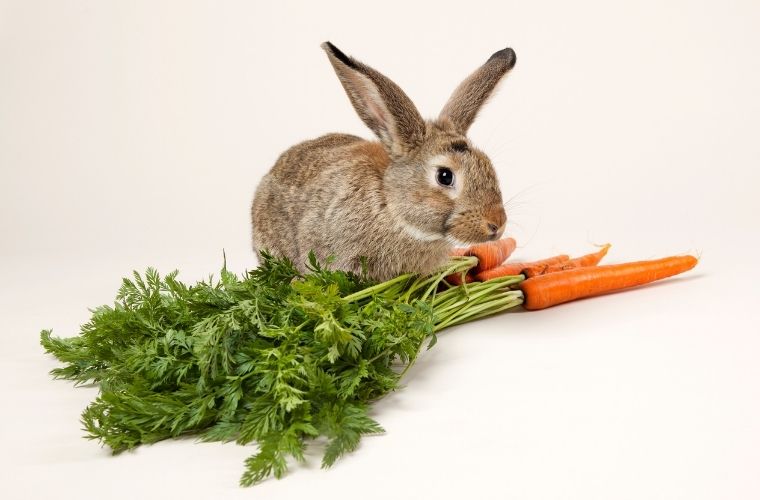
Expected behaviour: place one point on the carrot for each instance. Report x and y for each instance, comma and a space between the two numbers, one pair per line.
516, 268
491, 253
552, 289
591, 259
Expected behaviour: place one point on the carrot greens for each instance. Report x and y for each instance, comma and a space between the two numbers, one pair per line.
272, 357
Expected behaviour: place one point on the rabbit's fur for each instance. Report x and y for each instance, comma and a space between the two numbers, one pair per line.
346, 197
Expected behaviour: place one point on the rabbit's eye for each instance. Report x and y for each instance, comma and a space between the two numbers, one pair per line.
445, 176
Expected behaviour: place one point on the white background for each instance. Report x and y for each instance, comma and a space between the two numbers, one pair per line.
133, 134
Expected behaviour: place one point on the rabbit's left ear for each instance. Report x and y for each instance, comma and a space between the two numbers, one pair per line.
380, 103
465, 102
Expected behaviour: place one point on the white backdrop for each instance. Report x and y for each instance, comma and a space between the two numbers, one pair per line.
134, 133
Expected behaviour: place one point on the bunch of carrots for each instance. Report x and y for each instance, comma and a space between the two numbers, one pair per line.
560, 279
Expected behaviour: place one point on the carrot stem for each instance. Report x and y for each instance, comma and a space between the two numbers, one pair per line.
477, 309
442, 306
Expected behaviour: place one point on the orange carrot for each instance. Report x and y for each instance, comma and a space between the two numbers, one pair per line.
491, 253
591, 259
516, 268
532, 272
552, 289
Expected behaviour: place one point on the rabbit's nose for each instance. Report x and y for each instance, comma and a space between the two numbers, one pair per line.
495, 222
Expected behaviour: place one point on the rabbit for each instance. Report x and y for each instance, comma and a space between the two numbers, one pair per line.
387, 207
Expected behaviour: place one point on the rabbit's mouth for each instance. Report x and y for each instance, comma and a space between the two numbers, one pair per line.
457, 242
460, 241
468, 227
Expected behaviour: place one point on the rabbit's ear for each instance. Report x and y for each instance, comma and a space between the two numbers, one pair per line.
381, 104
465, 102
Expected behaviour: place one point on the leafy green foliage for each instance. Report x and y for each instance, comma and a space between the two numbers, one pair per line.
273, 357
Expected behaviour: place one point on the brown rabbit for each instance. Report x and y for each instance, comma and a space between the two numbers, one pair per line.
401, 203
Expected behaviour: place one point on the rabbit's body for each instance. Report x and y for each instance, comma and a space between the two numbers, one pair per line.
389, 203
332, 214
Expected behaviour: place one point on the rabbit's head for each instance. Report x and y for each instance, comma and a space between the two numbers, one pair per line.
437, 185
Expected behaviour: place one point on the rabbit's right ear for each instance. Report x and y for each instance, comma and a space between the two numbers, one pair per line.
465, 102
380, 103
